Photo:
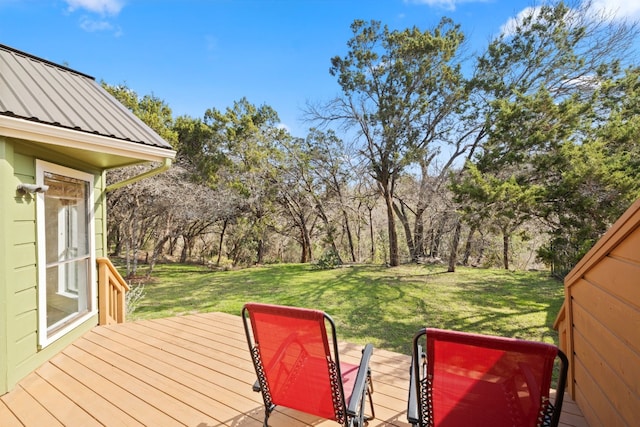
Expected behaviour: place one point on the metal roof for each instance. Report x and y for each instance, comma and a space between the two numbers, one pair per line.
37, 90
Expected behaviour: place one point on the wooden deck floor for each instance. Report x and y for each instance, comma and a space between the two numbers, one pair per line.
182, 371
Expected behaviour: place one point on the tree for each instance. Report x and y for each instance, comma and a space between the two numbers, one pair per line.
541, 79
398, 88
503, 201
245, 140
600, 177
132, 214
329, 165
153, 111
200, 148
298, 195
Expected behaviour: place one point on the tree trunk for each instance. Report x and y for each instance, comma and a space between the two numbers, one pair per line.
391, 225
185, 249
224, 228
402, 215
157, 250
308, 244
134, 237
127, 255
505, 249
371, 234
481, 250
118, 242
453, 255
260, 251
437, 237
418, 234
467, 247
236, 252
172, 245
349, 236
305, 243
330, 231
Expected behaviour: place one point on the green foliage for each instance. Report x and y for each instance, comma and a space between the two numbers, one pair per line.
561, 119
198, 148
152, 110
401, 89
328, 260
549, 123
385, 306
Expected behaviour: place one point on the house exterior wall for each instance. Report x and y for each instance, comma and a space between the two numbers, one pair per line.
19, 350
6, 180
601, 316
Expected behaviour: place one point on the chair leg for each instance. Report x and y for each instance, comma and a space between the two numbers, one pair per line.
369, 395
267, 413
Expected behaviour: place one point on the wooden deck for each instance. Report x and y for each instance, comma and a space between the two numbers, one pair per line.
183, 371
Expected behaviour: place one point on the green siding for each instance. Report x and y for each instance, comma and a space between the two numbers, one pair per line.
21, 279
19, 352
22, 232
22, 255
100, 215
23, 328
6, 180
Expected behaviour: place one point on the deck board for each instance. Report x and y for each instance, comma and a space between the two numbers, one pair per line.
7, 417
191, 370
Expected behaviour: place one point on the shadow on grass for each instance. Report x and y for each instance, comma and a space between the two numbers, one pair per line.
385, 306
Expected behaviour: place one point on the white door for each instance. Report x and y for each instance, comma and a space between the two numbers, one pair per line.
65, 256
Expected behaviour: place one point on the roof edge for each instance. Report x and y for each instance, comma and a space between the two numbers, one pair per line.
45, 61
39, 132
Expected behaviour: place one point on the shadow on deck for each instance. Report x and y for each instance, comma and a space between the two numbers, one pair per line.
182, 371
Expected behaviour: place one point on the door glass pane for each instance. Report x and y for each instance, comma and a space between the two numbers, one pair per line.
67, 249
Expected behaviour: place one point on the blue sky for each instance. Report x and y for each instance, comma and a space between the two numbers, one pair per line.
200, 54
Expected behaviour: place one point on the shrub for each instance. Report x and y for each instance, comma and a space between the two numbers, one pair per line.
329, 259
133, 298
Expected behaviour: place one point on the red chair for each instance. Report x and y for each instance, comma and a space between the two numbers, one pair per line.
476, 380
296, 360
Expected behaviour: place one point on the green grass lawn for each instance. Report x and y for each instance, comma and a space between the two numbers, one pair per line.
384, 306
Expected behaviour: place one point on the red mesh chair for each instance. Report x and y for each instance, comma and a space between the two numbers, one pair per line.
468, 379
297, 364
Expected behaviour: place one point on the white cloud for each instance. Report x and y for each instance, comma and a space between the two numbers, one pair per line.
618, 9
445, 4
509, 27
91, 26
283, 127
614, 9
104, 7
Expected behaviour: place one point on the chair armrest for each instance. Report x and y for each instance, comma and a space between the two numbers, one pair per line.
412, 406
361, 380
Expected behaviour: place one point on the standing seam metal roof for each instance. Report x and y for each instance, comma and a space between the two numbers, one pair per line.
34, 89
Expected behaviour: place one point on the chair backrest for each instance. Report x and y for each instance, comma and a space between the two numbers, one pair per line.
480, 380
292, 351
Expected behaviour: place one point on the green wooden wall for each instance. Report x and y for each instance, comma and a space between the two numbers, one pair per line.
6, 181
19, 352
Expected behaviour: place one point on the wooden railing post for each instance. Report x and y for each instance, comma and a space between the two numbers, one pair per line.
112, 289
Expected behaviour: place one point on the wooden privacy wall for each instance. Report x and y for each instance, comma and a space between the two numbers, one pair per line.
599, 326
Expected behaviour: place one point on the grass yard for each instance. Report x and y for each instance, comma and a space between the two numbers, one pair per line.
384, 306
